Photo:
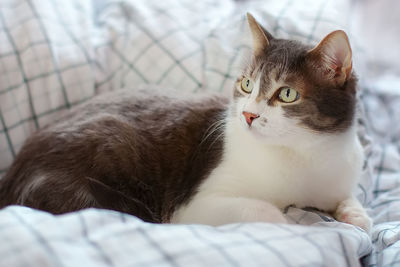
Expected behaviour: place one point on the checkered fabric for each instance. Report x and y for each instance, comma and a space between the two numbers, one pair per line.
105, 238
55, 54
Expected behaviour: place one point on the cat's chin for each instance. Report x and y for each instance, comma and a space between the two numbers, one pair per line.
263, 138
255, 132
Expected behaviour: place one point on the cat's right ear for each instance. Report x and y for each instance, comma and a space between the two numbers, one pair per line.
333, 56
260, 39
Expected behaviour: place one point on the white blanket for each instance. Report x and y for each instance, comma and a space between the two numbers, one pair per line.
55, 54
105, 238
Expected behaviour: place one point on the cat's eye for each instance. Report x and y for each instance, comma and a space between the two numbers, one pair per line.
288, 95
247, 85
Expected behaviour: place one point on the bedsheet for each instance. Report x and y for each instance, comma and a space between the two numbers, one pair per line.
57, 54
105, 238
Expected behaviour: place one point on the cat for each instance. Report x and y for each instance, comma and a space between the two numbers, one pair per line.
286, 137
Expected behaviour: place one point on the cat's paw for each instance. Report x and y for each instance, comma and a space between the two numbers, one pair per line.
272, 214
349, 213
253, 210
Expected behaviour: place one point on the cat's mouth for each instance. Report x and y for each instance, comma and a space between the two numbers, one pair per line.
252, 129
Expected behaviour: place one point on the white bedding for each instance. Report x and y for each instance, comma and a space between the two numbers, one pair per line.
105, 238
56, 54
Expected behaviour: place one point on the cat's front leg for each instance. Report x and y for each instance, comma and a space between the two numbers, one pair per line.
220, 210
351, 211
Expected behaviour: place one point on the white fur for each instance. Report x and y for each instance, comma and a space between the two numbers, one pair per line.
274, 161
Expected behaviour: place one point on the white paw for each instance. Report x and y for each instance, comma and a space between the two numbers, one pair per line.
270, 213
354, 215
220, 210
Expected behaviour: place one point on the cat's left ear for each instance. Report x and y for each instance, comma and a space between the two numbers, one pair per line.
260, 39
334, 55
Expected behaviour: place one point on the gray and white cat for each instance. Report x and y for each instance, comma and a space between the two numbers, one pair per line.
288, 137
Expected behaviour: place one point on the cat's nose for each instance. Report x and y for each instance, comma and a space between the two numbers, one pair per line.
250, 117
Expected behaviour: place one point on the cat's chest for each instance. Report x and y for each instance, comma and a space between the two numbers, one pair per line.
283, 178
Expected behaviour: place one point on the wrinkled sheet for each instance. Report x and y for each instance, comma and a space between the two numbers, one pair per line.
105, 238
57, 54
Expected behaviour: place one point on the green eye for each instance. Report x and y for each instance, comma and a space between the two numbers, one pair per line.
247, 85
288, 95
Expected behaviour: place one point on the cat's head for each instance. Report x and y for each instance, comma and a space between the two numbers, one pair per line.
291, 90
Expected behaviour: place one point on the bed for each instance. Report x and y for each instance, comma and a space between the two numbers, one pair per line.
57, 54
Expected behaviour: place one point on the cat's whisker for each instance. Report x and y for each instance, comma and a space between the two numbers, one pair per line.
213, 128
215, 140
217, 129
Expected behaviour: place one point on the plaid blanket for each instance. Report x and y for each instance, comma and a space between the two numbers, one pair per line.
56, 54
105, 238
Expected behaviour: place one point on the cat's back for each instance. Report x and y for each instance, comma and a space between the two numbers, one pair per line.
141, 106
139, 151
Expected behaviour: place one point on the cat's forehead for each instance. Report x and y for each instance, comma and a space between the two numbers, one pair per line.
270, 80
282, 54
283, 64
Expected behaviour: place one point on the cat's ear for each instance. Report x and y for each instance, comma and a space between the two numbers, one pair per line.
260, 39
333, 55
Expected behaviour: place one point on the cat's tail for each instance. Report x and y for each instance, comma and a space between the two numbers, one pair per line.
2, 194
51, 193
107, 197
6, 191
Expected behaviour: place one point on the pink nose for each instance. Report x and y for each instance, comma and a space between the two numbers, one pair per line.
250, 117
